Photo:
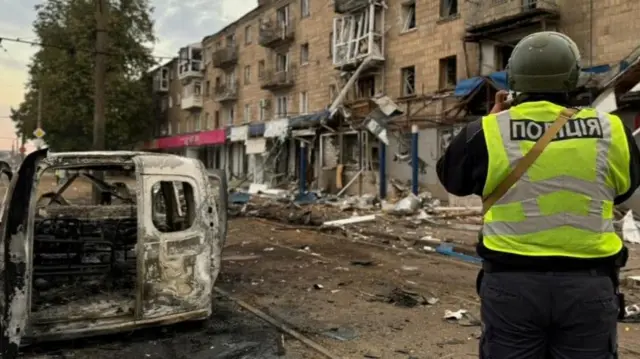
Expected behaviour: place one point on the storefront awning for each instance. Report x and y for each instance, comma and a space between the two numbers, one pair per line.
256, 129
276, 128
239, 134
310, 120
205, 138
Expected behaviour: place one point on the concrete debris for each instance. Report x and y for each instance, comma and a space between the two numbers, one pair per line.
462, 317
352, 220
404, 298
630, 230
406, 206
632, 313
341, 334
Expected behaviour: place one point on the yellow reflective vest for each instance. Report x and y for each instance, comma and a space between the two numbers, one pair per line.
563, 204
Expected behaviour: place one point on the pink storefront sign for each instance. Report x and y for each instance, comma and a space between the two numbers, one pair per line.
206, 138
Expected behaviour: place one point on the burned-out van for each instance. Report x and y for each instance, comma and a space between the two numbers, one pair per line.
123, 240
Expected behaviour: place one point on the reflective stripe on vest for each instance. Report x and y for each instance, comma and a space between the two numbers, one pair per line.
596, 215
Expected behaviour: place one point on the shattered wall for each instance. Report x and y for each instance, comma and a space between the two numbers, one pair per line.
428, 151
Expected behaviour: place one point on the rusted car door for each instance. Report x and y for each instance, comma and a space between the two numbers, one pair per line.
174, 257
16, 257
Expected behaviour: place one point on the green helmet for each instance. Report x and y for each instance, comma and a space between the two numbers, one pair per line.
544, 62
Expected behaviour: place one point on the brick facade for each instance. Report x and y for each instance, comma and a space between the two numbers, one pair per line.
611, 24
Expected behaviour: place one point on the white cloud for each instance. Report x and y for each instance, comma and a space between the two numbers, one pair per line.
178, 22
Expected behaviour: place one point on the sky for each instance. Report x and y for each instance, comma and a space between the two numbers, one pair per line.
177, 23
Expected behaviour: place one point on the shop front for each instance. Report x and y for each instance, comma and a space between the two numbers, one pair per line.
201, 145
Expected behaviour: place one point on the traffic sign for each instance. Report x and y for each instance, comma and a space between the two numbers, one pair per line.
39, 133
23, 149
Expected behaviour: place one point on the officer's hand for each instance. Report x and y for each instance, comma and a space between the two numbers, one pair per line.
501, 102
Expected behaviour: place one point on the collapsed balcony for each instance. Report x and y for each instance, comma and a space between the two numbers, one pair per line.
489, 18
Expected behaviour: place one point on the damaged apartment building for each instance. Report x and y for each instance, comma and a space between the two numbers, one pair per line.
303, 78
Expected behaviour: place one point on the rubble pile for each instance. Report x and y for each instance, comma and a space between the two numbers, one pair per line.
414, 222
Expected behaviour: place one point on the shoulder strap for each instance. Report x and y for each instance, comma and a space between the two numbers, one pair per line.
525, 162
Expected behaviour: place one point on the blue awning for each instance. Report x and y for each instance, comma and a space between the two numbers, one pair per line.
467, 86
310, 120
256, 129
499, 79
600, 69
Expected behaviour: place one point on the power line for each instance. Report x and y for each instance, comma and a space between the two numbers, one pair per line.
70, 49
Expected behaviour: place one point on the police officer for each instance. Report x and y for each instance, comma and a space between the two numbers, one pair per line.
549, 284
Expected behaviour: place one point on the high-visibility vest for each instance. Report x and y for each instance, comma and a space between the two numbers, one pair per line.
563, 204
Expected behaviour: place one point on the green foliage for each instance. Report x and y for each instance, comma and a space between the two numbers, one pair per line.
63, 69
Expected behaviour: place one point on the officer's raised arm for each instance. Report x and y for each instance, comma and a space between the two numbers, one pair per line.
462, 169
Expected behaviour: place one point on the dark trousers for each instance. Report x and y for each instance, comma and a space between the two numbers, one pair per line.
548, 316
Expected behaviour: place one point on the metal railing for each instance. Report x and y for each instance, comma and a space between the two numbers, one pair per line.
272, 79
224, 92
227, 55
275, 32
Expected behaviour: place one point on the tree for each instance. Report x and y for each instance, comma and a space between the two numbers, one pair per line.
63, 70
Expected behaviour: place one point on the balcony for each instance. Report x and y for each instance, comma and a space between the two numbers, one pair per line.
225, 57
356, 37
190, 69
192, 102
161, 80
226, 93
347, 6
489, 18
277, 80
276, 33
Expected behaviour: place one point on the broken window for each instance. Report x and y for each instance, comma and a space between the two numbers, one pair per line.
173, 206
448, 72
448, 8
282, 14
247, 35
409, 81
247, 113
260, 68
231, 40
281, 107
207, 121
366, 87
304, 53
409, 15
231, 115
282, 62
84, 248
207, 89
247, 75
304, 102
304, 8
197, 123
503, 53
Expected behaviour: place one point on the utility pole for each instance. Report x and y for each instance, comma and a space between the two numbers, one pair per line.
39, 124
99, 121
99, 75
